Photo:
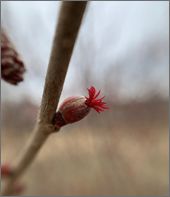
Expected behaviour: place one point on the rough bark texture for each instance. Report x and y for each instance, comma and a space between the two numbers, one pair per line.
69, 21
68, 25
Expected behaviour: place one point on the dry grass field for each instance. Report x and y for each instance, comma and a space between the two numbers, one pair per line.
123, 151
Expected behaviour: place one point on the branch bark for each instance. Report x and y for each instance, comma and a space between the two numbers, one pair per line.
69, 21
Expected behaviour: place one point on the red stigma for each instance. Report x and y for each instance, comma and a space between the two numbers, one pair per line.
93, 102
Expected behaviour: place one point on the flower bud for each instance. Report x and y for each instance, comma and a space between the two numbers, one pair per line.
12, 67
76, 108
6, 170
18, 188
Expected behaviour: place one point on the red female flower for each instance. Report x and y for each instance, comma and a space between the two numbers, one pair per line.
74, 109
95, 103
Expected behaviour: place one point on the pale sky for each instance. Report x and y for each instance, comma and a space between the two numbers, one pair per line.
124, 46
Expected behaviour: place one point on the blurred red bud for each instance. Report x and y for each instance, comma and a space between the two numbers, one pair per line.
12, 67
18, 189
6, 170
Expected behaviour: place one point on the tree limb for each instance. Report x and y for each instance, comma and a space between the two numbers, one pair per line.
69, 21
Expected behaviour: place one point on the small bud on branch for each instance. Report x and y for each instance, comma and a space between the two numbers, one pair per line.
18, 189
74, 109
6, 170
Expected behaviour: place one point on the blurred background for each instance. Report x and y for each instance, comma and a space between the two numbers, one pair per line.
122, 49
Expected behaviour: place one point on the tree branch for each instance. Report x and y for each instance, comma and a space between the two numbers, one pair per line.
70, 18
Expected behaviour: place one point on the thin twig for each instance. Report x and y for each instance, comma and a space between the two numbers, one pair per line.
70, 17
